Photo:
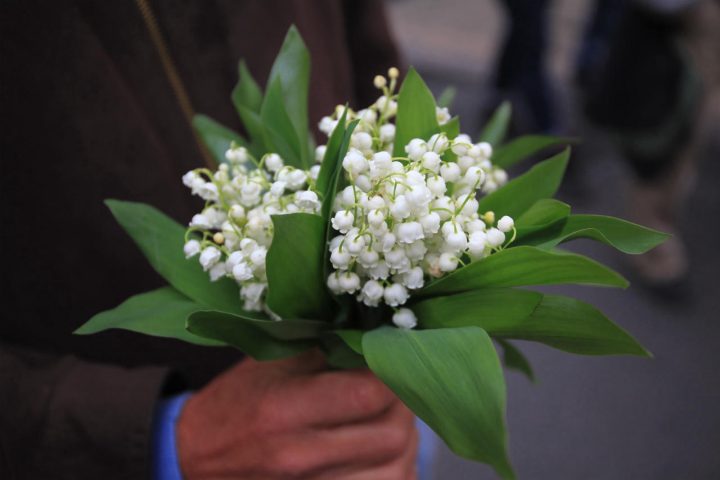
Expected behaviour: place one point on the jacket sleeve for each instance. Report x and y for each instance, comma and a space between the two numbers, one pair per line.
64, 418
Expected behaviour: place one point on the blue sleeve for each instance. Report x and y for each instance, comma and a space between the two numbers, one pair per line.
165, 463
426, 451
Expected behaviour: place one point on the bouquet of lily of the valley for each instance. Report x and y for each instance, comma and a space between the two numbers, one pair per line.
398, 245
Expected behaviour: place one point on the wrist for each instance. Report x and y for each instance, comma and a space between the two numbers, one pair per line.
166, 465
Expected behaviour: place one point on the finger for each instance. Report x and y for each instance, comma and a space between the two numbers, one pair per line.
306, 362
336, 398
403, 467
355, 446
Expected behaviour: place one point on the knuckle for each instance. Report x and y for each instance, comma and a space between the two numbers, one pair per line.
369, 396
270, 414
396, 440
290, 463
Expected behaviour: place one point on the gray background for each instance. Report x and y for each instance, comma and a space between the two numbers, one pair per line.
592, 418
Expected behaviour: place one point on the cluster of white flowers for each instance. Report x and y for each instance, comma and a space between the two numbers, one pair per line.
400, 220
235, 227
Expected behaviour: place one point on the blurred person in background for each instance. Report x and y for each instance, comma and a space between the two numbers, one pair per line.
96, 100
657, 94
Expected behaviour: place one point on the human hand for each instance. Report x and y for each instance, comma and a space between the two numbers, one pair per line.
294, 419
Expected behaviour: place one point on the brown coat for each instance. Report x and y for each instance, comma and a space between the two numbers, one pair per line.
86, 114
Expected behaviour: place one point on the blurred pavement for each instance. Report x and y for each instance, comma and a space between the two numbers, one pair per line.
609, 418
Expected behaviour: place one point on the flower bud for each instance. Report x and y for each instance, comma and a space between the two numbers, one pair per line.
343, 221
217, 272
191, 248
404, 318
505, 224
340, 258
368, 258
409, 232
379, 81
395, 294
242, 272
448, 262
495, 237
209, 257
372, 293
349, 282
273, 162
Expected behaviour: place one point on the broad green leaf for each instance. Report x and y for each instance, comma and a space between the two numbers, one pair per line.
332, 163
161, 240
255, 129
447, 97
353, 339
294, 265
161, 313
451, 128
625, 236
452, 379
573, 326
291, 329
515, 360
344, 350
329, 199
519, 266
518, 195
216, 137
484, 307
246, 93
243, 334
544, 213
280, 134
292, 71
416, 116
497, 127
522, 147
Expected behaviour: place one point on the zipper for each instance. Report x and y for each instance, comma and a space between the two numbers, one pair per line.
173, 77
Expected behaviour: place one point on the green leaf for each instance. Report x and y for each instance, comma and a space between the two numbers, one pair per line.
518, 195
332, 163
161, 313
522, 147
447, 97
452, 379
497, 127
515, 360
244, 334
518, 266
343, 349
255, 129
623, 235
558, 321
329, 199
484, 308
294, 265
291, 329
451, 128
161, 240
543, 214
216, 137
353, 339
291, 71
280, 134
246, 93
572, 326
247, 98
416, 116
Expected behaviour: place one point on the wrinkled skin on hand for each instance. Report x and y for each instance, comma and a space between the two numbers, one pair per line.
295, 419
